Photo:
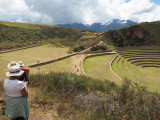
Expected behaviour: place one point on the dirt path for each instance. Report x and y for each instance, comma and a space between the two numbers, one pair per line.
37, 111
91, 47
34, 116
78, 65
39, 114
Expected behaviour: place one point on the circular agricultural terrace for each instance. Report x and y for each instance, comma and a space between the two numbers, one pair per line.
139, 65
142, 57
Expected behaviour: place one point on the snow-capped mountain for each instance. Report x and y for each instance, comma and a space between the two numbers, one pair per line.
98, 27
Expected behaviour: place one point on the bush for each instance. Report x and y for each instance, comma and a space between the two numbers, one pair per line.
96, 48
81, 47
76, 49
67, 83
103, 47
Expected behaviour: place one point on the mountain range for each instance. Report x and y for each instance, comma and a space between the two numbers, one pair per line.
98, 27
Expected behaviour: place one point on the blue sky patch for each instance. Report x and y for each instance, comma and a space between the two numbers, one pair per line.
155, 1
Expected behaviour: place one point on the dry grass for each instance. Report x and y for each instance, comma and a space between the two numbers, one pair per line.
72, 64
31, 55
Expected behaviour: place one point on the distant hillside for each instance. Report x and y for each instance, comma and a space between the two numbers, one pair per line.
98, 27
13, 35
135, 35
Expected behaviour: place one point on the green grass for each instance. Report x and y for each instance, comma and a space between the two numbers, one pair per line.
31, 55
3, 117
142, 57
99, 67
117, 67
21, 25
148, 76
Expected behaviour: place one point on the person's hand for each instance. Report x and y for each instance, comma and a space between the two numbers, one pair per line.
26, 83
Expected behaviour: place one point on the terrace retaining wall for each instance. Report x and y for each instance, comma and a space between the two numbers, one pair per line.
50, 61
111, 67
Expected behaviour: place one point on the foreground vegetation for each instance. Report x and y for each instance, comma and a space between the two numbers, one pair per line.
84, 98
81, 97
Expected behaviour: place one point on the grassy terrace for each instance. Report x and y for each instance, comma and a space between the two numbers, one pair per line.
139, 65
99, 67
71, 64
142, 57
31, 55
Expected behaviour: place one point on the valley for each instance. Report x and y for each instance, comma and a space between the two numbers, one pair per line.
74, 85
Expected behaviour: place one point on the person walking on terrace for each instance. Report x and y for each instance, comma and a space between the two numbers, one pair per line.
16, 94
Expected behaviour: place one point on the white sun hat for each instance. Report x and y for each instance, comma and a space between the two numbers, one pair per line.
12, 63
21, 63
14, 71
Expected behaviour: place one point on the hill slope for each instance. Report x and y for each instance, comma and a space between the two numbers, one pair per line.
14, 35
135, 35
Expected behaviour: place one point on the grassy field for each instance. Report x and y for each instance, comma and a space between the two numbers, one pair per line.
71, 64
31, 55
96, 67
139, 65
99, 67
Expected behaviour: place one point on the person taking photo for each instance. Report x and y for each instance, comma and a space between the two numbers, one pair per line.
16, 94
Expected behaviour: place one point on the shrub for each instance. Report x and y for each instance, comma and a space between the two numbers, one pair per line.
66, 83
81, 47
103, 47
76, 49
94, 48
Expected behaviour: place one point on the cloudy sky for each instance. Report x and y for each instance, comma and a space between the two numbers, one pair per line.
78, 11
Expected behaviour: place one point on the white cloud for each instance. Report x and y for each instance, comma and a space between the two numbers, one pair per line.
18, 11
82, 11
